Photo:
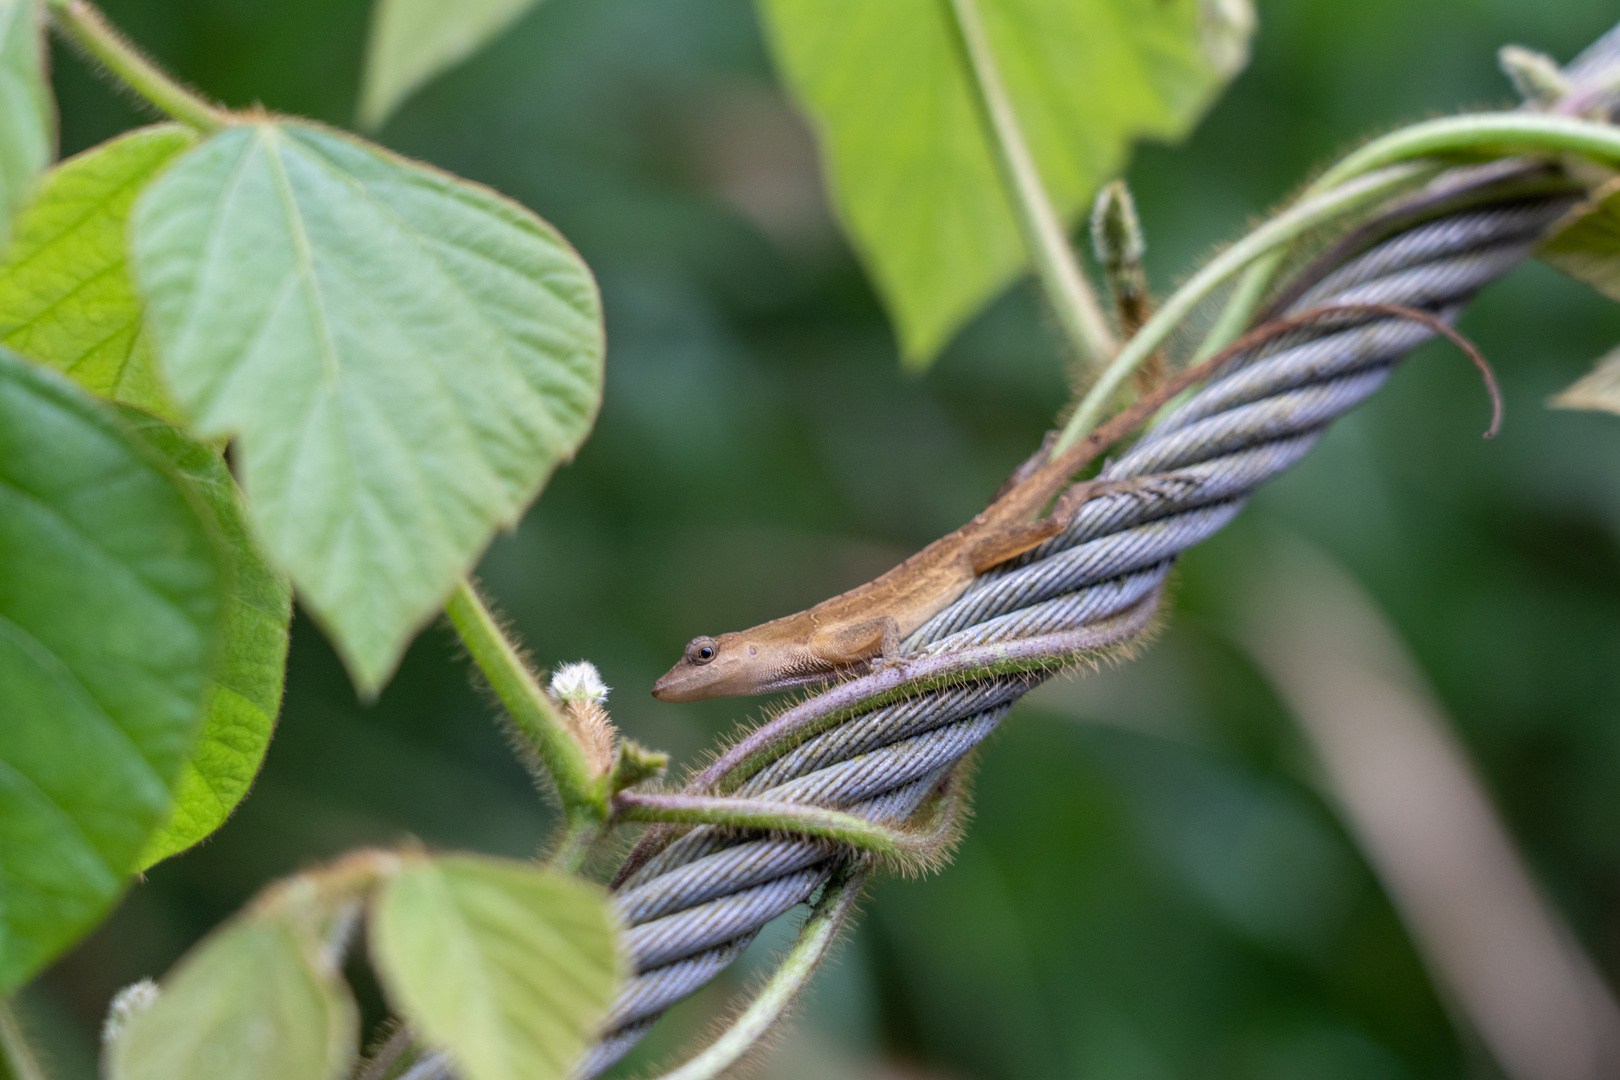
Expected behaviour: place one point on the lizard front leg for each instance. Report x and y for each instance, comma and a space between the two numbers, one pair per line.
852, 643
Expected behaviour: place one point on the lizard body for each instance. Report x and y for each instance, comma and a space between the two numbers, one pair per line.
871, 620
850, 630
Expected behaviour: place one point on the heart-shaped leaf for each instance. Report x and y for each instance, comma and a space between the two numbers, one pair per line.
246, 695
27, 112
66, 298
905, 149
111, 602
256, 1000
404, 357
413, 40
506, 966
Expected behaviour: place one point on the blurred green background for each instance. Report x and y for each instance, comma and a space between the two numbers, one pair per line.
1154, 885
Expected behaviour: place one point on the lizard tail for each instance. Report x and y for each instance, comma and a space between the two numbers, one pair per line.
1045, 482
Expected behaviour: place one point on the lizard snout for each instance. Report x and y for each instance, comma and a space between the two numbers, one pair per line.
667, 688
684, 682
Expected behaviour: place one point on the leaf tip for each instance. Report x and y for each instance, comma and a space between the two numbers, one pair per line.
1577, 399
371, 648
1597, 391
920, 343
1225, 28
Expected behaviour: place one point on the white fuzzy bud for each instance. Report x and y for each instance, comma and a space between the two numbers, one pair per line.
127, 1004
579, 682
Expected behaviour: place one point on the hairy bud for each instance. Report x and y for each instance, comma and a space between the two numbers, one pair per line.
579, 682
580, 690
1116, 231
1535, 75
126, 1005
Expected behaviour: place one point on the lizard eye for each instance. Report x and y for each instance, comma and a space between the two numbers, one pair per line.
701, 650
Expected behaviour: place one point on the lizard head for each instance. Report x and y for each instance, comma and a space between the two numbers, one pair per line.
706, 670
731, 665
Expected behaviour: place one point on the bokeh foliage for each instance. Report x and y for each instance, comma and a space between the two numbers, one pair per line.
1152, 885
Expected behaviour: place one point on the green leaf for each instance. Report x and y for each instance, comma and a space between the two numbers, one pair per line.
27, 112
247, 688
506, 966
1586, 243
256, 1000
414, 40
404, 358
1598, 391
905, 151
66, 298
111, 602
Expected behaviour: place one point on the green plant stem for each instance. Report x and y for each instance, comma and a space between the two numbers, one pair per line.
381, 1062
762, 814
91, 31
1071, 296
1280, 230
815, 939
1369, 173
537, 718
1497, 134
1480, 135
1242, 304
17, 1060
574, 846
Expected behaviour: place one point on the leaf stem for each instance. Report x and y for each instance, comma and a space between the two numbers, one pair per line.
1280, 230
17, 1060
796, 818
535, 715
89, 29
816, 937
1071, 296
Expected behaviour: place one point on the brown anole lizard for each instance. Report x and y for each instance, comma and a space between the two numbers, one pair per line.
870, 621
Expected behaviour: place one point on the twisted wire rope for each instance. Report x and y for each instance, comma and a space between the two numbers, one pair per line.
696, 904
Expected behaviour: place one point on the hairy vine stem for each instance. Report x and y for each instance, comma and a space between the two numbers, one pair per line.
87, 28
816, 822
816, 938
1365, 176
382, 1060
582, 790
1505, 133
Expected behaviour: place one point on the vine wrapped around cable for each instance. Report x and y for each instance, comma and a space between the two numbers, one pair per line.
874, 757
